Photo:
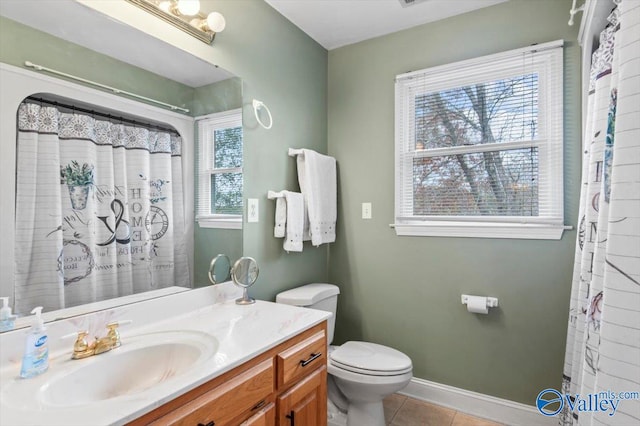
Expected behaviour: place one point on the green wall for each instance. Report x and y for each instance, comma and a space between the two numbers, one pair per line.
217, 97
209, 242
405, 291
287, 70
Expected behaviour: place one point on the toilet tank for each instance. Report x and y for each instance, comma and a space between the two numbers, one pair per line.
315, 296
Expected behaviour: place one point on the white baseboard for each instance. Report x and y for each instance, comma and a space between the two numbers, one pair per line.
477, 404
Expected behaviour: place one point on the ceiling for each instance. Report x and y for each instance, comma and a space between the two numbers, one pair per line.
81, 25
336, 23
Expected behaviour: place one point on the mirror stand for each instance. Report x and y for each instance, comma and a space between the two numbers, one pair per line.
245, 299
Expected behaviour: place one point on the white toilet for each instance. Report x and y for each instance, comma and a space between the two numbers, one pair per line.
361, 374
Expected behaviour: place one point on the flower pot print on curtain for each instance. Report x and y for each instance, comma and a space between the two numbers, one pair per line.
79, 181
101, 215
78, 195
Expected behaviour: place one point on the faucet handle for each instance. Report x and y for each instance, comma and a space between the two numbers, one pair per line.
112, 331
113, 335
81, 349
81, 341
79, 335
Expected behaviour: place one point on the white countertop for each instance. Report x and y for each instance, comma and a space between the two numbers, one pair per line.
241, 332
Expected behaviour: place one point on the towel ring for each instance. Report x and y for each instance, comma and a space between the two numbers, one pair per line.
256, 106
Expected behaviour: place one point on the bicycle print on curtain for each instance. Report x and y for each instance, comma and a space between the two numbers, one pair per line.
99, 209
603, 337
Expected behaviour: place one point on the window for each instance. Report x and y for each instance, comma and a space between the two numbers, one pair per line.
479, 147
219, 203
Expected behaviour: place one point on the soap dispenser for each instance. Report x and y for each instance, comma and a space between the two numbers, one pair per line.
6, 319
36, 352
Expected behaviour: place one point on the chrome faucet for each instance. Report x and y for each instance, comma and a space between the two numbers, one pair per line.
83, 349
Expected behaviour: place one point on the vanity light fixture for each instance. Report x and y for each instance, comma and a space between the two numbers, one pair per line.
186, 15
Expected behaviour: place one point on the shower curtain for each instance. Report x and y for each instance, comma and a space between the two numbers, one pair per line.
603, 338
99, 209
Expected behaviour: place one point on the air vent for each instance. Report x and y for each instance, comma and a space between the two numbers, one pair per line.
407, 3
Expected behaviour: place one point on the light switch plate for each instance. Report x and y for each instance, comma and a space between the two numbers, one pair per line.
252, 210
366, 210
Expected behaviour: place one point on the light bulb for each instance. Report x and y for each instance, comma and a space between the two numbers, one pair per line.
165, 6
189, 7
216, 22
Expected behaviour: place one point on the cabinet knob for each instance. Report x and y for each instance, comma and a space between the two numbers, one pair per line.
211, 423
313, 357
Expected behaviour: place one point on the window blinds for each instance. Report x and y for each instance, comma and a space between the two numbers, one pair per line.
481, 140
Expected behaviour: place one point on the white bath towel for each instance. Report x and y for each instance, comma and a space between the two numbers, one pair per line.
292, 203
317, 178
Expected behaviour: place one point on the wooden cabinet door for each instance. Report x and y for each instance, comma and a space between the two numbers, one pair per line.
305, 404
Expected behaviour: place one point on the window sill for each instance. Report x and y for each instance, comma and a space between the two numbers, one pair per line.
481, 230
219, 223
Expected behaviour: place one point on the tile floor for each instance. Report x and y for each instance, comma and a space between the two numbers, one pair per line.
400, 410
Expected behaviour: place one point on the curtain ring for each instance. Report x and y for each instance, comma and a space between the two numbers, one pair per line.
256, 106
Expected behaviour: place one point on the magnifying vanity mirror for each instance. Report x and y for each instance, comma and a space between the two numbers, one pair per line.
244, 274
96, 47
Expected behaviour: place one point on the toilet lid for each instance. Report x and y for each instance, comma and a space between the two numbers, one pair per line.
370, 358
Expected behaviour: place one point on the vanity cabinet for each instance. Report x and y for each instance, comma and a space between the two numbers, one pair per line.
284, 386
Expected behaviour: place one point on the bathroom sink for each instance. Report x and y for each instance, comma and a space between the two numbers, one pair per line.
141, 363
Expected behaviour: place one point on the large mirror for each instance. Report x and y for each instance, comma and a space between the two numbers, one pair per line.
100, 48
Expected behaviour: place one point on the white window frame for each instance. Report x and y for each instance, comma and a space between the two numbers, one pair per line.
549, 224
207, 125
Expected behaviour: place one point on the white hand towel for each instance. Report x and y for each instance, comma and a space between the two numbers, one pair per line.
281, 213
279, 230
318, 183
289, 218
295, 221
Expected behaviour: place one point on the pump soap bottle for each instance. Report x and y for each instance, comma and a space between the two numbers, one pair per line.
6, 319
36, 352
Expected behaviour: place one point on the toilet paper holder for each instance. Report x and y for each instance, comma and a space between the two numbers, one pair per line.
492, 302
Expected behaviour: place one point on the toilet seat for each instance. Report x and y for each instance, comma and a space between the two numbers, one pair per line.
370, 359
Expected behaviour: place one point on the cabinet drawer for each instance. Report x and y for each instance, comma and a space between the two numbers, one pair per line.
301, 358
265, 417
227, 401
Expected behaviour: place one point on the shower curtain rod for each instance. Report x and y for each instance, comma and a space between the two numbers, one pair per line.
103, 86
101, 114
